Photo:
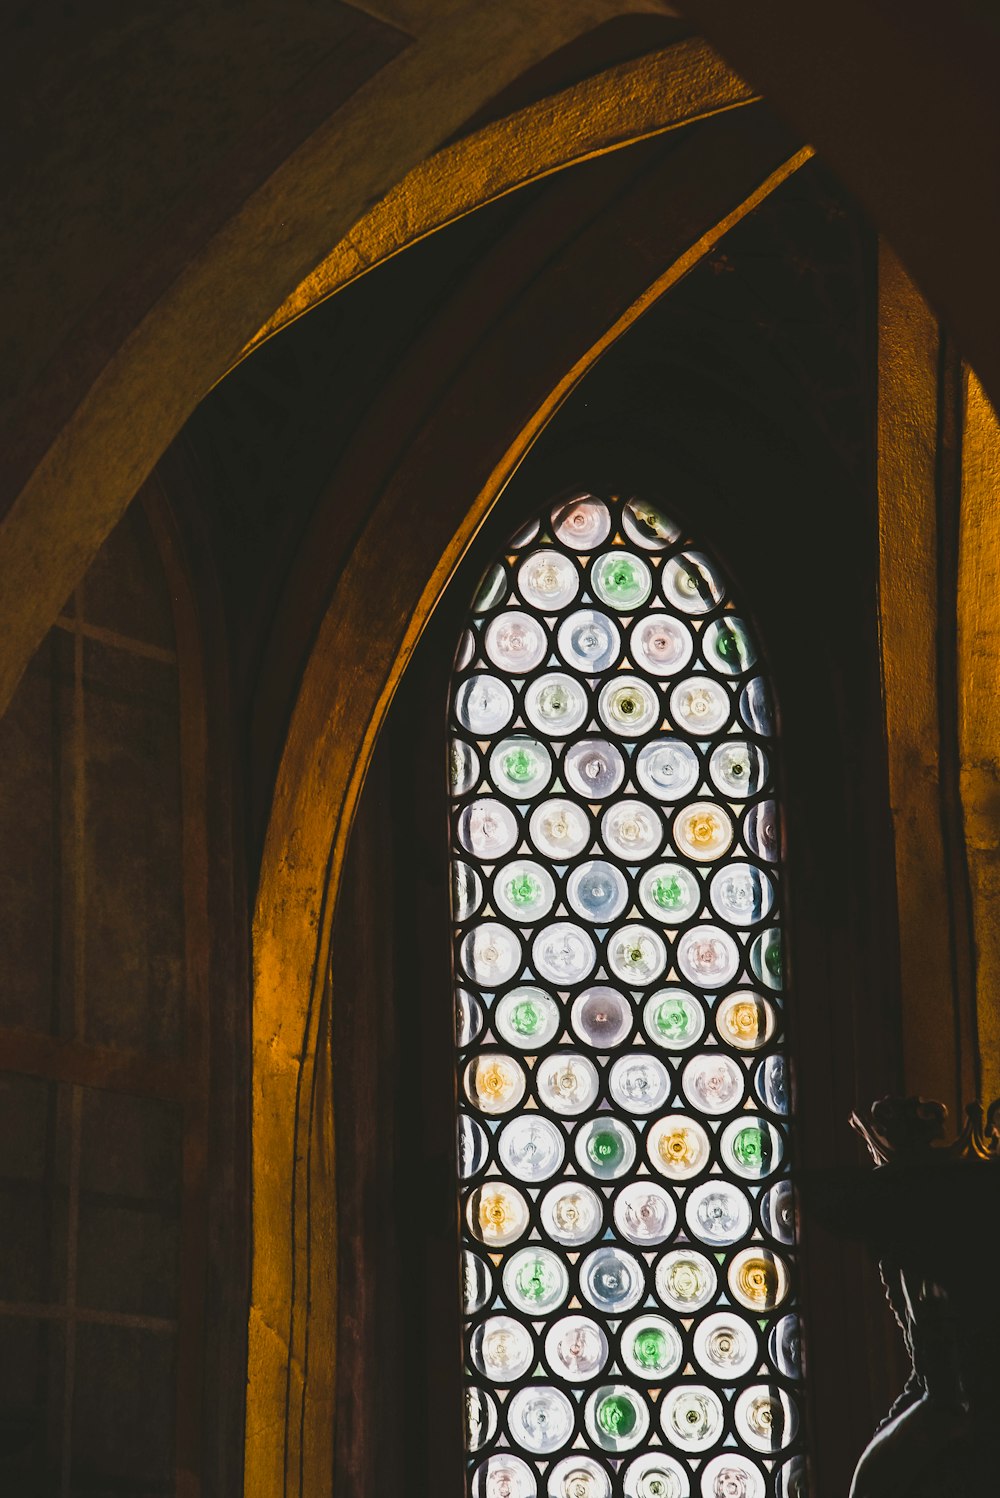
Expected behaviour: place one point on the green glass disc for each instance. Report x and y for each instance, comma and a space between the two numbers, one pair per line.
616, 1416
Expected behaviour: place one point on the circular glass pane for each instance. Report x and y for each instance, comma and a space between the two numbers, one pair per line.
621, 580
466, 649
636, 955
685, 1281
751, 1147
468, 1018
656, 1475
502, 1349
661, 644
497, 1214
516, 642
559, 829
484, 704
766, 958
777, 1212
473, 1147
571, 1214
555, 704
631, 831
491, 954
492, 589
771, 1083
612, 1280
756, 708
463, 767
480, 1419
547, 580
732, 1476
738, 769
725, 1345
578, 1476
616, 1417
639, 1083
494, 1083
524, 535
524, 890
760, 831
531, 1147
488, 829
647, 526
690, 583
582, 523
700, 706
644, 1213
576, 1348
563, 953
678, 1147
727, 646
629, 706
602, 1017
594, 768
597, 891
674, 1019
758, 1279
671, 893
535, 1280
668, 769
605, 1148
466, 890
567, 1083
504, 1476
540, 1419
526, 1017
691, 1417
713, 1083
707, 957
785, 1347
741, 893
589, 641
703, 831
477, 1282
520, 767
745, 1020
651, 1348
790, 1480
766, 1417
717, 1213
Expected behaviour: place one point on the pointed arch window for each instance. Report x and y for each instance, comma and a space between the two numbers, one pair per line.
629, 1262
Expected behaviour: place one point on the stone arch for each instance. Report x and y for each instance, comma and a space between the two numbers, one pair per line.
568, 316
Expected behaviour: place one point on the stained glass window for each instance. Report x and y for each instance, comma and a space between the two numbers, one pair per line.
629, 1245
628, 1256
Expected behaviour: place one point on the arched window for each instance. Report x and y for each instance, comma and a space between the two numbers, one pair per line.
628, 1260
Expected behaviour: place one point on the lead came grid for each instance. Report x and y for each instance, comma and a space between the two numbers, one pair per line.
628, 1257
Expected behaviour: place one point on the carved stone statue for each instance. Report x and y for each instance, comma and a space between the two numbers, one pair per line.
931, 1213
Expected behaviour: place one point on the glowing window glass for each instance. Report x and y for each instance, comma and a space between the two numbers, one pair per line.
629, 1257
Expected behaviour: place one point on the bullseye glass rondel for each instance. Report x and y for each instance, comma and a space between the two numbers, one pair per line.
516, 642
548, 580
644, 1213
559, 829
484, 704
629, 1239
657, 1475
526, 1017
661, 645
556, 704
578, 1476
